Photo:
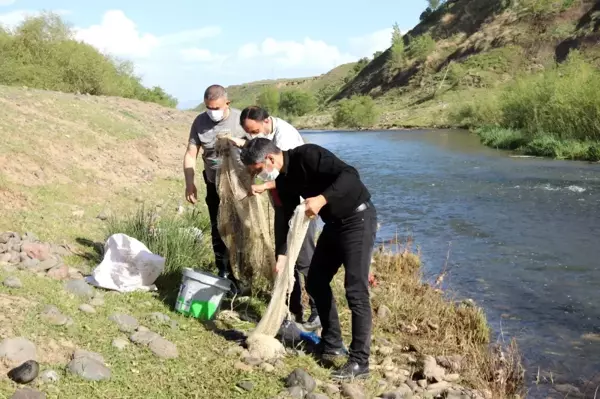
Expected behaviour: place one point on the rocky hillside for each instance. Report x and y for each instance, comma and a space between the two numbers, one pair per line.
66, 158
464, 48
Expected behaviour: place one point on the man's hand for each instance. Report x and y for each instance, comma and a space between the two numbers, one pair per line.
237, 141
191, 193
280, 265
313, 205
257, 189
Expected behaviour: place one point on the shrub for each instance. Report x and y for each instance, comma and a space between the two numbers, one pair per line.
420, 47
269, 100
42, 53
296, 103
397, 50
355, 112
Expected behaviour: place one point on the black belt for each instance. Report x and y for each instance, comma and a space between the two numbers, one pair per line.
364, 206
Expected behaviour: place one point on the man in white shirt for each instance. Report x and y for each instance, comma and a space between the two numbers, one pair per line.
257, 122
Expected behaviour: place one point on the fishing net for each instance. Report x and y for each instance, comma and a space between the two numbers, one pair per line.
244, 221
262, 342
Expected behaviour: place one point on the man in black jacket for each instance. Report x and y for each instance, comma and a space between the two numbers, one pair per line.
333, 190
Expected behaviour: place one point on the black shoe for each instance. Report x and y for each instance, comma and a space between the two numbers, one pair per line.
329, 357
350, 371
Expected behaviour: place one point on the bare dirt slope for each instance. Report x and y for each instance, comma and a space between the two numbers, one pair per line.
64, 158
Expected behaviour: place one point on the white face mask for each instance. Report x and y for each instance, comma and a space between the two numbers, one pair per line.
269, 176
215, 114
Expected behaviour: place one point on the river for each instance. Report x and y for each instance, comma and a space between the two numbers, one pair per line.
523, 234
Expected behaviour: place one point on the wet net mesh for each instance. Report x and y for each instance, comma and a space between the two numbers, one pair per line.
245, 229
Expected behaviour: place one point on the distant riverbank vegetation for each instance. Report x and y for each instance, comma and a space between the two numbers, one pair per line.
42, 53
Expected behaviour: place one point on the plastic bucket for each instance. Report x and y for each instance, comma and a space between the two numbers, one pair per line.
200, 294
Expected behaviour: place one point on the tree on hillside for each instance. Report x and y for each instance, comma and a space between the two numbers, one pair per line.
269, 100
296, 103
397, 50
434, 4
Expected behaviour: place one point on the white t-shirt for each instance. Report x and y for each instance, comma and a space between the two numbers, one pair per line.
285, 136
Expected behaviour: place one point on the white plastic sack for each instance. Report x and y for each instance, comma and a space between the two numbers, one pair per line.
128, 265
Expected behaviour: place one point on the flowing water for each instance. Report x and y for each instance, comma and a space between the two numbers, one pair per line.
523, 234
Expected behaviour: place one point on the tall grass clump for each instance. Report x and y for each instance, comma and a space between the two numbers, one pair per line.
427, 321
563, 101
182, 239
42, 53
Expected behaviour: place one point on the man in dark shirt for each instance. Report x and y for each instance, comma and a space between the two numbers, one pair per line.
333, 190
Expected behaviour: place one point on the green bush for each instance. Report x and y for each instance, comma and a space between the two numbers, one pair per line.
42, 53
396, 60
420, 47
296, 103
168, 236
501, 138
269, 100
355, 112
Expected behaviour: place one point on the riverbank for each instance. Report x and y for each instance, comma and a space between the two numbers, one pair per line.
424, 342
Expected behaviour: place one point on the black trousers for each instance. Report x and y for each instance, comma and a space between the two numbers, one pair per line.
219, 247
304, 258
349, 242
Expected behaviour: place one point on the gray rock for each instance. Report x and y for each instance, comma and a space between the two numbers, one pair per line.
28, 393
452, 363
383, 312
9, 268
438, 388
301, 378
452, 377
17, 351
80, 288
97, 302
142, 329
164, 349
120, 343
60, 272
53, 316
316, 396
29, 236
89, 366
385, 350
12, 282
331, 389
246, 385
267, 367
14, 257
159, 318
30, 265
252, 361
353, 391
432, 371
403, 391
296, 392
125, 322
23, 256
143, 337
5, 257
5, 237
457, 394
422, 383
48, 376
412, 385
242, 367
87, 308
103, 215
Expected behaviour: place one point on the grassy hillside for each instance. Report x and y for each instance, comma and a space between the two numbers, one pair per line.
512, 68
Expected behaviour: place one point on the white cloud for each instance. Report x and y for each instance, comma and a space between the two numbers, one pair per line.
308, 53
118, 35
7, 2
12, 19
365, 46
200, 55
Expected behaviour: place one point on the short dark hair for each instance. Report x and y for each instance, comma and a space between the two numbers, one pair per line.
256, 150
214, 92
253, 112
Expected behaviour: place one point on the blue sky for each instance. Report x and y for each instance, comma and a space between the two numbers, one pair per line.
184, 45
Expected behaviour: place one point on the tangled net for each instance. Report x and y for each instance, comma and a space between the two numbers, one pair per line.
262, 342
243, 225
243, 222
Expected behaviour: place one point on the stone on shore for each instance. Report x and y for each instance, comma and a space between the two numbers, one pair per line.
125, 322
12, 282
89, 366
17, 351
